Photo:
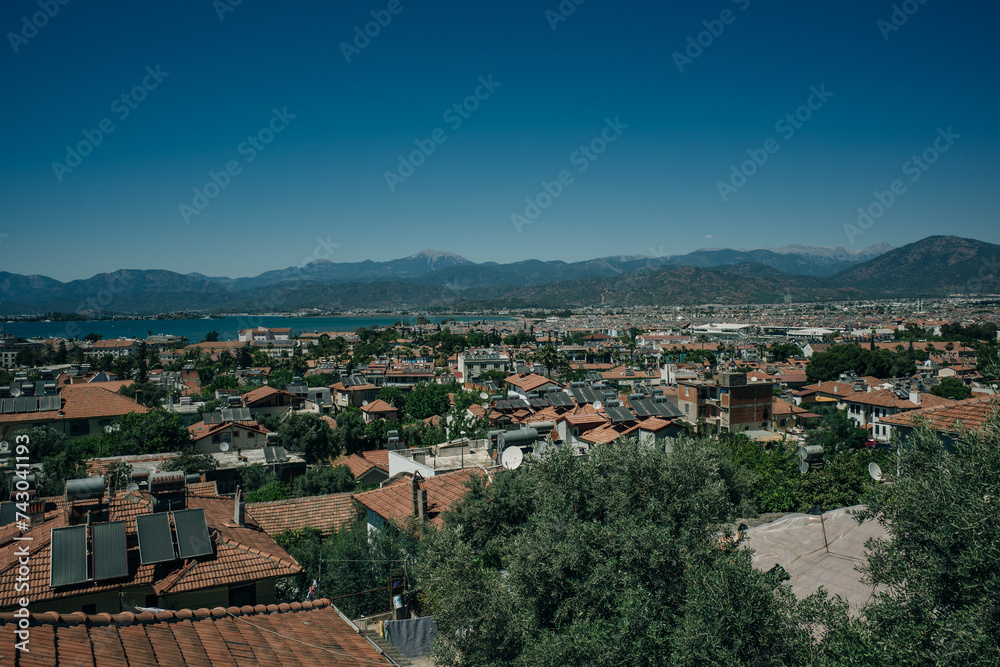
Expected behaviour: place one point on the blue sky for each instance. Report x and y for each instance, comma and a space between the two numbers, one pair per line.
672, 129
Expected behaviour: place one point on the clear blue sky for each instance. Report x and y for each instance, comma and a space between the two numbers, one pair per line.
656, 186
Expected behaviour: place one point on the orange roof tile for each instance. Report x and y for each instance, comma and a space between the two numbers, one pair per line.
299, 633
327, 513
394, 501
380, 457
971, 413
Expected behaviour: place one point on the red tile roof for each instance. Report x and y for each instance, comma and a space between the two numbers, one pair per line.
971, 413
327, 513
306, 633
528, 381
242, 554
378, 405
394, 502
259, 394
82, 401
380, 457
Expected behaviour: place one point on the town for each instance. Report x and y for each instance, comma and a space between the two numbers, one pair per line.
274, 452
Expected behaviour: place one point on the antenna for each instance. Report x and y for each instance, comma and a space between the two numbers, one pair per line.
875, 471
512, 458
224, 447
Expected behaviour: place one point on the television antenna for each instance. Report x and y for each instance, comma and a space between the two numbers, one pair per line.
512, 458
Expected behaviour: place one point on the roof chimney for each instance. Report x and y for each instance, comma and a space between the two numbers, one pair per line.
419, 498
239, 509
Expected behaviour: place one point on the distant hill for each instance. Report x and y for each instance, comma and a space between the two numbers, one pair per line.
932, 266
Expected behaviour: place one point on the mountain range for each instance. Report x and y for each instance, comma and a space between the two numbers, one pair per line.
933, 266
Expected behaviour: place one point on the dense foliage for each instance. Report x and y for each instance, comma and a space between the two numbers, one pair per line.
613, 560
838, 359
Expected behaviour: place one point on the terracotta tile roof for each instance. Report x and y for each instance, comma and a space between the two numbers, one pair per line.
358, 464
242, 554
82, 401
394, 502
654, 424
971, 413
380, 457
306, 633
378, 405
259, 394
200, 429
842, 389
327, 513
528, 381
887, 398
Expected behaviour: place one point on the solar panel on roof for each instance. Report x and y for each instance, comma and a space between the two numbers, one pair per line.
69, 556
32, 404
521, 403
8, 512
8, 405
192, 533
619, 414
580, 397
110, 551
156, 545
642, 408
668, 410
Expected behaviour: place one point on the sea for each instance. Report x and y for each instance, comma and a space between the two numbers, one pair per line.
228, 327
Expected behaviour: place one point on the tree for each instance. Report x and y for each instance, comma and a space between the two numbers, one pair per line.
393, 396
782, 351
93, 337
548, 356
152, 432
192, 460
942, 595
427, 400
323, 480
952, 388
611, 560
211, 337
308, 434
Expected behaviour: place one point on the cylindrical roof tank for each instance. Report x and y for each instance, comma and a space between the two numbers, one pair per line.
810, 452
166, 481
543, 427
88, 488
524, 436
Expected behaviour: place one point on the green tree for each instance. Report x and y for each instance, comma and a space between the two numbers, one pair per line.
308, 434
952, 388
427, 400
323, 480
192, 460
611, 560
152, 432
211, 337
942, 592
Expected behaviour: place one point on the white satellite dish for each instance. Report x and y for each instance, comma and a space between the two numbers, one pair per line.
598, 405
483, 394
131, 487
224, 447
803, 466
364, 402
512, 458
15, 391
875, 471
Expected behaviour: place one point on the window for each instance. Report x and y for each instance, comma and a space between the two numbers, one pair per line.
240, 596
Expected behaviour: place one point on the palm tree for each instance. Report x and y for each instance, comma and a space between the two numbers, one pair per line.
549, 357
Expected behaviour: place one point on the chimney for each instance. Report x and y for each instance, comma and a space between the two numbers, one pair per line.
239, 509
835, 388
419, 498
914, 397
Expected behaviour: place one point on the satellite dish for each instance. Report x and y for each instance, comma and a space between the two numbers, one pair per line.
803, 466
483, 394
875, 471
224, 447
15, 390
598, 405
364, 402
486, 406
131, 487
512, 458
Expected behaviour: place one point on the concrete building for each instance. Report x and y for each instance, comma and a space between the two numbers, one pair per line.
726, 403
